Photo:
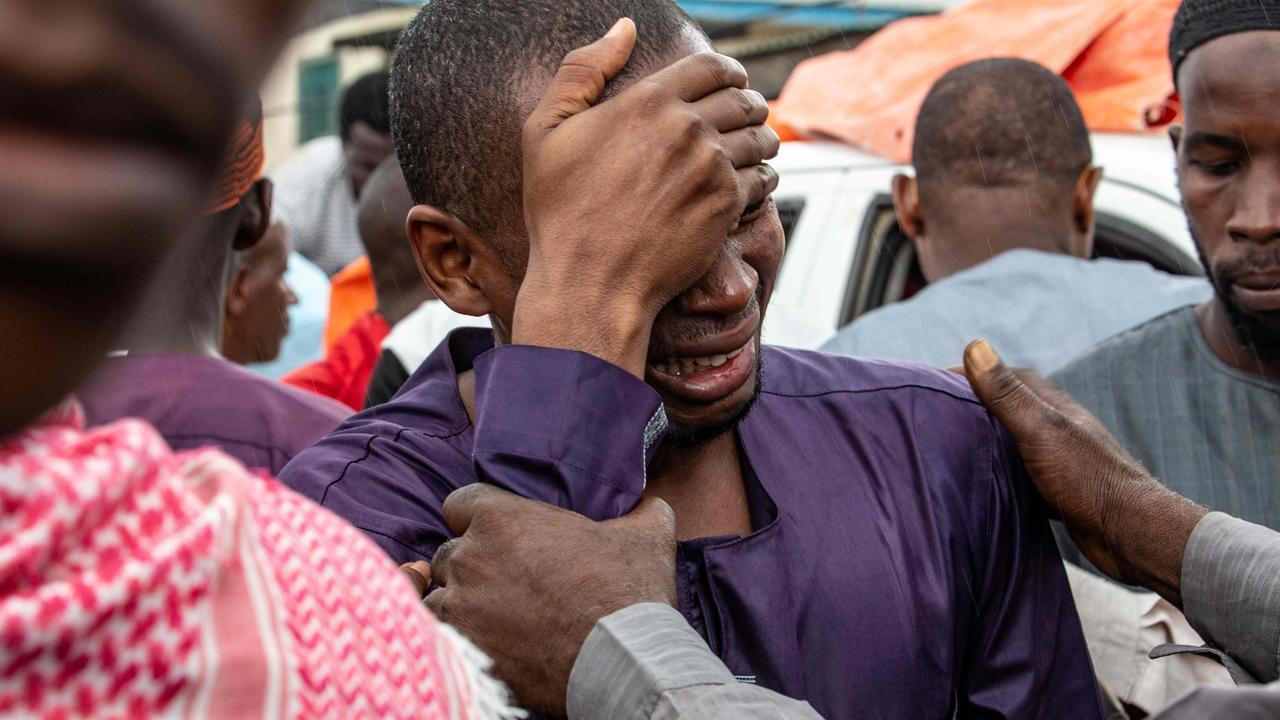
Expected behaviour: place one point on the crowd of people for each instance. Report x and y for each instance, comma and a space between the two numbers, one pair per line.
540, 461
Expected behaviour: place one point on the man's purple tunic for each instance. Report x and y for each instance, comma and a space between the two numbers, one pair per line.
196, 401
901, 565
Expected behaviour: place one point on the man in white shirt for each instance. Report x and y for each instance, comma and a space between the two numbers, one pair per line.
317, 190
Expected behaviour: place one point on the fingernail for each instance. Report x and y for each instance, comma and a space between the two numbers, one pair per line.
616, 29
982, 356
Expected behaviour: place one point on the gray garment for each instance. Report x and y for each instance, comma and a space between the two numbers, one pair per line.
1231, 591
645, 662
1208, 431
1245, 703
1037, 309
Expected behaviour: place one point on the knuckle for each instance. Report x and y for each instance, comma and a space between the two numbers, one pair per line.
724, 69
1004, 384
435, 602
717, 157
767, 176
442, 562
1057, 421
691, 125
580, 58
649, 94
771, 177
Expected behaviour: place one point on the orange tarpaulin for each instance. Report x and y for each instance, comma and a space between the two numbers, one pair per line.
1112, 52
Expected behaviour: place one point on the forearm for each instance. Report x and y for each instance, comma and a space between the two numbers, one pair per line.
646, 663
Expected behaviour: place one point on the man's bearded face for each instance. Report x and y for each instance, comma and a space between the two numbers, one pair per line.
1229, 175
1258, 330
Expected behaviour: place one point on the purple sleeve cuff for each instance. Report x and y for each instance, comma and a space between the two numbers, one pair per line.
565, 427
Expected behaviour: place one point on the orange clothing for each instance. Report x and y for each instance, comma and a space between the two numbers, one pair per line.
1113, 54
343, 373
351, 296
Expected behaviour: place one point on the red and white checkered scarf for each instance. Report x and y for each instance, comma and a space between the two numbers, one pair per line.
138, 582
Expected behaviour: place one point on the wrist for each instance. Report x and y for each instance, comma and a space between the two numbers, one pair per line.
586, 317
1149, 526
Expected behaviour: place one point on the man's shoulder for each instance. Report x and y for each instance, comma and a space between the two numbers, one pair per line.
426, 413
296, 403
1131, 351
802, 374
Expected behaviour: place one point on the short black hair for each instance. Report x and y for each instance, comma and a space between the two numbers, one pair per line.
366, 101
456, 81
1000, 122
1199, 21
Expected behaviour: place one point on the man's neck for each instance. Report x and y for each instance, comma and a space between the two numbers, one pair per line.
703, 484
1221, 335
158, 334
182, 311
974, 254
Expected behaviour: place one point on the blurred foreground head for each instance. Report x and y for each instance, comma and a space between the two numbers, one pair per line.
1002, 161
1225, 54
114, 115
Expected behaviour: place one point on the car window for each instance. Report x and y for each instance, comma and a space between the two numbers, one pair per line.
1116, 237
877, 260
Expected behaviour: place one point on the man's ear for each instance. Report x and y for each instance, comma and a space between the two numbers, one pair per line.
906, 203
1082, 208
1175, 137
255, 215
236, 291
445, 248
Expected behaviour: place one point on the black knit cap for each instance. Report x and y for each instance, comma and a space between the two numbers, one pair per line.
1199, 21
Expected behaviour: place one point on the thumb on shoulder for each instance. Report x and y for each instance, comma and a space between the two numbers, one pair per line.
1013, 403
582, 77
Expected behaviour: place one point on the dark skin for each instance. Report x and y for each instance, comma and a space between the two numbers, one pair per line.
365, 149
528, 581
694, 282
956, 227
183, 309
1229, 175
1129, 525
383, 209
258, 300
115, 118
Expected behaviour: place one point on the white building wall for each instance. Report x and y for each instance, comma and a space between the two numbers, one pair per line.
280, 91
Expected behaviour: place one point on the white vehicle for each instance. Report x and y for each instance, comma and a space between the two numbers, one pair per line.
847, 256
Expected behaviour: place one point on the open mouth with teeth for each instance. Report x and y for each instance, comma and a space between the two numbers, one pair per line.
687, 366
